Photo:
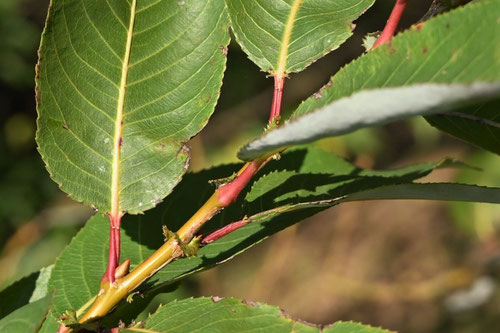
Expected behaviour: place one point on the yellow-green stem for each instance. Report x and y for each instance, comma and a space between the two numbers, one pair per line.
111, 294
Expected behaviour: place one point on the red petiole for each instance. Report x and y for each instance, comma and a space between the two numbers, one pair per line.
392, 23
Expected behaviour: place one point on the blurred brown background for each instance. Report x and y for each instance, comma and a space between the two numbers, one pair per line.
411, 266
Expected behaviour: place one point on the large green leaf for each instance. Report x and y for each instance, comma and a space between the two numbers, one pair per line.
283, 36
120, 86
460, 47
479, 125
302, 183
27, 319
230, 315
370, 108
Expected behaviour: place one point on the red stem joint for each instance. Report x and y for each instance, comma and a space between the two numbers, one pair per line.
228, 193
114, 248
279, 82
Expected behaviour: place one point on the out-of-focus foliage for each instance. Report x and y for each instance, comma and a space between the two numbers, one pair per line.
476, 219
19, 40
36, 220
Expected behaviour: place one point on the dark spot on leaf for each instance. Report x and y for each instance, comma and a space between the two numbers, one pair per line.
425, 49
120, 142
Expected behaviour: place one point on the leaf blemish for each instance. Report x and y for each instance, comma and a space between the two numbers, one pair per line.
216, 299
317, 95
249, 303
223, 49
184, 150
65, 126
425, 49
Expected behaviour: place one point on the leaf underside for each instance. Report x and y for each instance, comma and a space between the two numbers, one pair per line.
479, 125
120, 86
370, 108
460, 47
234, 315
304, 182
288, 35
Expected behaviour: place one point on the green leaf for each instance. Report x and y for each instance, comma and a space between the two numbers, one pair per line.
50, 325
27, 290
459, 47
301, 184
370, 108
479, 125
284, 36
120, 86
431, 191
29, 318
234, 315
352, 327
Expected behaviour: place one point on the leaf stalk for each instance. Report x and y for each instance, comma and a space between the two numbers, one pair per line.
392, 23
113, 288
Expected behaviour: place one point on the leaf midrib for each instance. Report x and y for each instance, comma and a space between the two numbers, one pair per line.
285, 42
115, 177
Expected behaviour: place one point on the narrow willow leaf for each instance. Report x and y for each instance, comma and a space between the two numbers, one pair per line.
301, 184
459, 47
431, 191
231, 315
479, 125
370, 108
120, 86
29, 318
283, 36
27, 290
